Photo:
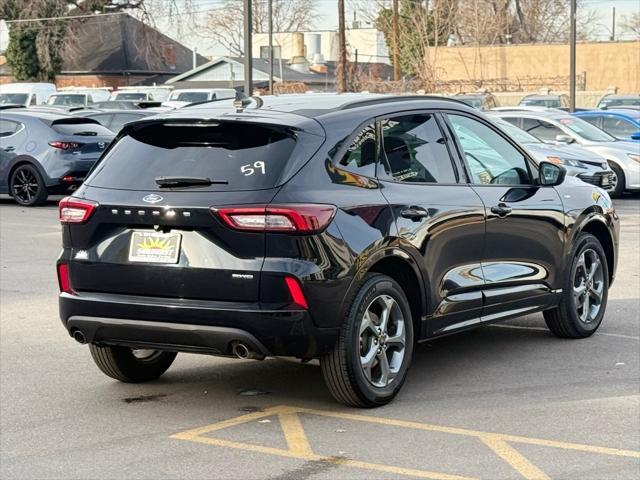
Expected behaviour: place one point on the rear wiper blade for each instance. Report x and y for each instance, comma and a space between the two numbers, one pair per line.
188, 181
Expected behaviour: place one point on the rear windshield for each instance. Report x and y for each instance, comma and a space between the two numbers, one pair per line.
68, 100
82, 129
13, 98
236, 156
191, 97
131, 96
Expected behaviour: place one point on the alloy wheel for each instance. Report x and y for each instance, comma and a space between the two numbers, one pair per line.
588, 286
25, 186
382, 341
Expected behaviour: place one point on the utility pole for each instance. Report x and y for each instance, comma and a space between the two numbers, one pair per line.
395, 33
613, 25
572, 58
270, 13
342, 46
248, 57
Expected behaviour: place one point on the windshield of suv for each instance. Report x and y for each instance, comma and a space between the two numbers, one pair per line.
619, 102
541, 102
13, 98
233, 155
132, 96
191, 97
586, 130
67, 100
475, 102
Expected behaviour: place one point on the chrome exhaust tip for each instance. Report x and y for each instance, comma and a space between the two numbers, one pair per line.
79, 337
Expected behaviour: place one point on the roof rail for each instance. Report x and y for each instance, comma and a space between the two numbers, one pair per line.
396, 98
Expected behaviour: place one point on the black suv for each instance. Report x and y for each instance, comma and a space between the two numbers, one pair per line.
340, 227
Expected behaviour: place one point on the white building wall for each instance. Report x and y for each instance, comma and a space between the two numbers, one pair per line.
226, 72
368, 41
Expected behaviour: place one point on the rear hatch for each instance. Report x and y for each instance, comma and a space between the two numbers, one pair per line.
155, 232
84, 138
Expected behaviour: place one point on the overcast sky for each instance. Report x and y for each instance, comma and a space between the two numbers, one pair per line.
327, 19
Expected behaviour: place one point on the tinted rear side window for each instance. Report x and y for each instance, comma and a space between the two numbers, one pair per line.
241, 155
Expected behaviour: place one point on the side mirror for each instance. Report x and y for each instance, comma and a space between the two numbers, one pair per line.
551, 174
564, 139
635, 136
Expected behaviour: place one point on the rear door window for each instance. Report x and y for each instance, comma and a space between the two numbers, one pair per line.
618, 127
415, 150
233, 155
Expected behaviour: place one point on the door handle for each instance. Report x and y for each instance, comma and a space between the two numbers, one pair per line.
414, 213
502, 209
9, 149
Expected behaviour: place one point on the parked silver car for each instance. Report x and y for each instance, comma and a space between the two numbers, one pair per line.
557, 127
579, 162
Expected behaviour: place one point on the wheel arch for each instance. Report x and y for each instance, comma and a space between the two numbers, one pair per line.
399, 265
598, 228
25, 160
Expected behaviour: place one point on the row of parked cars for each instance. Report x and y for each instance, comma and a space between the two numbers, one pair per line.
50, 149
34, 94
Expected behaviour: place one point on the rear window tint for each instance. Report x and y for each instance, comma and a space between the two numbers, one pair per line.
83, 129
243, 156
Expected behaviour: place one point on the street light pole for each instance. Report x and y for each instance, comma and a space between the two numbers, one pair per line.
572, 58
270, 13
395, 31
248, 57
342, 47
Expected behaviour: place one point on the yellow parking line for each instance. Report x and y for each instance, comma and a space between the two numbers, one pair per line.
474, 433
299, 447
294, 434
510, 455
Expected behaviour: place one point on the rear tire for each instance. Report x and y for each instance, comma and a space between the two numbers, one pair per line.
27, 187
586, 281
618, 190
123, 364
371, 357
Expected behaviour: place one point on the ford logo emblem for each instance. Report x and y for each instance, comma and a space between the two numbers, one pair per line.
152, 198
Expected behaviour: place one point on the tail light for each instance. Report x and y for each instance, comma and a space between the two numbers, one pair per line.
311, 218
64, 145
295, 290
75, 210
63, 278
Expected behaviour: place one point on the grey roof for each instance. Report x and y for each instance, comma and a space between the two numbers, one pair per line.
121, 43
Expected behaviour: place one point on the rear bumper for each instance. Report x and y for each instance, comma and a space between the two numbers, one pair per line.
193, 325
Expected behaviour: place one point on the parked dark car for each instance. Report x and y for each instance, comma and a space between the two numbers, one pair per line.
114, 120
481, 101
340, 227
547, 101
613, 101
46, 153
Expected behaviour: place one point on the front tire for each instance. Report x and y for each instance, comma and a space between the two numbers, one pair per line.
370, 360
129, 365
27, 187
618, 188
585, 292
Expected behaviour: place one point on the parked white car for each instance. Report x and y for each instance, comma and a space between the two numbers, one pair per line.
94, 94
193, 95
556, 126
142, 94
27, 94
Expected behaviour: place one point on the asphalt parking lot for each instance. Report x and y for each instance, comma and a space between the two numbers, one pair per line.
502, 402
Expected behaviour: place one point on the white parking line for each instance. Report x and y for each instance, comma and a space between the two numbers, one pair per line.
539, 329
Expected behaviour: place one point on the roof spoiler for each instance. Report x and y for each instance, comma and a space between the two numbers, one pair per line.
148, 104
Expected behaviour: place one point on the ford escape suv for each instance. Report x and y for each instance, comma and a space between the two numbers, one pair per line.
340, 227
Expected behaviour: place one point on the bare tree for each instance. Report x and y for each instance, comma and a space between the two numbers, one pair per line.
224, 24
631, 24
